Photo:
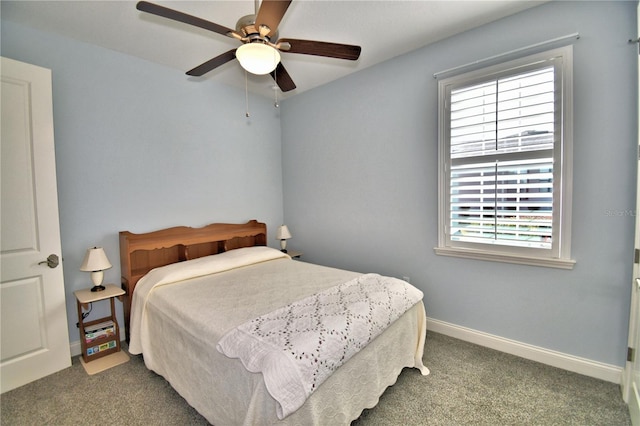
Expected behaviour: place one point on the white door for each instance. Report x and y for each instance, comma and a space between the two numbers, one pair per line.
34, 334
631, 389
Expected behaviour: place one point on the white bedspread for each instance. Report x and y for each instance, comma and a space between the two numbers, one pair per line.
178, 326
297, 347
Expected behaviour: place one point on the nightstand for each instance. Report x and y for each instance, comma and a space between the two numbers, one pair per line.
100, 339
294, 254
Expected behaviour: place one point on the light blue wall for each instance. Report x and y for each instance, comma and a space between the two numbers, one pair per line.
360, 183
359, 165
139, 147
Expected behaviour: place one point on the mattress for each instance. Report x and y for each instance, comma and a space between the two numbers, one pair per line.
177, 324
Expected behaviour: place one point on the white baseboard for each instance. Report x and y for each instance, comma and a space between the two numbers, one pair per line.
76, 349
598, 370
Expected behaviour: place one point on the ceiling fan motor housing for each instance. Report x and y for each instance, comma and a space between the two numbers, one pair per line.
247, 27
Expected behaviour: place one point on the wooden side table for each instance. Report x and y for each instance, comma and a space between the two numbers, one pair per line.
294, 254
104, 351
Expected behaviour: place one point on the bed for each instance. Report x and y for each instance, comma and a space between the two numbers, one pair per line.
190, 292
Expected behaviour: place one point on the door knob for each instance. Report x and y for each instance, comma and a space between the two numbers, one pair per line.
52, 261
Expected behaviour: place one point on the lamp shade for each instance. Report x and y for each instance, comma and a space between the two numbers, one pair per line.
95, 260
283, 233
258, 58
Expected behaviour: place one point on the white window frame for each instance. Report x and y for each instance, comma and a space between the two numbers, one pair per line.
559, 255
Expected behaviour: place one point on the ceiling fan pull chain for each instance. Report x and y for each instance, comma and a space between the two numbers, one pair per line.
275, 88
275, 91
246, 94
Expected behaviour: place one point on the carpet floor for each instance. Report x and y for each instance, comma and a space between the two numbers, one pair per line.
468, 385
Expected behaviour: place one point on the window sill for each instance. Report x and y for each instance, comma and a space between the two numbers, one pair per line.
505, 257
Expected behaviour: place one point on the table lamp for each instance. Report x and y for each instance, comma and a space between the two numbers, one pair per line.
283, 235
95, 261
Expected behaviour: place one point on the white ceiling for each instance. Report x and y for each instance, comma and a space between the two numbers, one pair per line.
384, 29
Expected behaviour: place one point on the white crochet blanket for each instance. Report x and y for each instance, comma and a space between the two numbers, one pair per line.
299, 345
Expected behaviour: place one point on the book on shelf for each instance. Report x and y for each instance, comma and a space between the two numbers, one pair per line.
102, 347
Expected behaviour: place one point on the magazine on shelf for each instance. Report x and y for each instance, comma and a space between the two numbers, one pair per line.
99, 326
102, 330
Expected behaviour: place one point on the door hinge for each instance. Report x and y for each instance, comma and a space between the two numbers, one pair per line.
631, 354
636, 256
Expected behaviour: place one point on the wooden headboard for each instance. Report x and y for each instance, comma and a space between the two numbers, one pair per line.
140, 253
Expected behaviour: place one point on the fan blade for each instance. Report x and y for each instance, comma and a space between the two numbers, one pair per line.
182, 17
213, 63
322, 48
282, 78
271, 13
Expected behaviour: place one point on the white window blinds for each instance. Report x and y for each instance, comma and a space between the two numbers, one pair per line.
508, 202
501, 152
509, 115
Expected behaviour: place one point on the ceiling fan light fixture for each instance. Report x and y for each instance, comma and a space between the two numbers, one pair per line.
258, 58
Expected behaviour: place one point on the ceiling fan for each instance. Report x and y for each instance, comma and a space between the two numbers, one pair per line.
261, 46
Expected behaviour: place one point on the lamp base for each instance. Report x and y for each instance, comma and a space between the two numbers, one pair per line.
284, 250
98, 288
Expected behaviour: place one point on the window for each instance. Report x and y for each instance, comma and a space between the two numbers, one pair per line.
505, 161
